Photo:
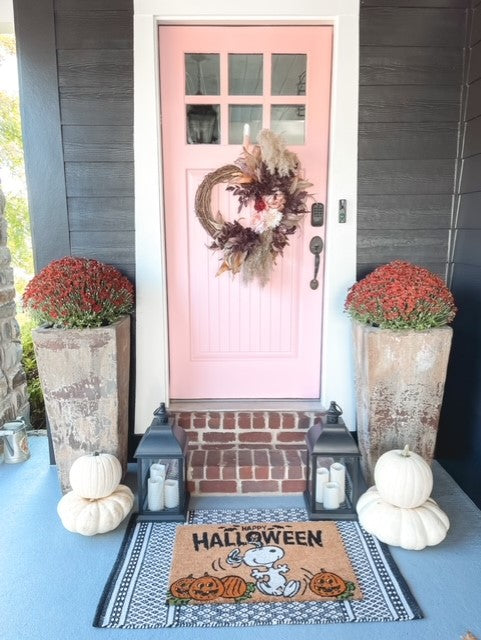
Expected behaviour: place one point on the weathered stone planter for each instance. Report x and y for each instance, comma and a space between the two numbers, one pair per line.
85, 380
400, 379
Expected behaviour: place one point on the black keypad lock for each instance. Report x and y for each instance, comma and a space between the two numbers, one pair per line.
317, 214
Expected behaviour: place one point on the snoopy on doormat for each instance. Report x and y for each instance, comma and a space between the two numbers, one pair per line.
271, 582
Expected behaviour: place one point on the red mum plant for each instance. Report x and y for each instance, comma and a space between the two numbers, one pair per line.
400, 295
78, 293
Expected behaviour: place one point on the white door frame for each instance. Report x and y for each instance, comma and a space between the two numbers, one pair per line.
152, 355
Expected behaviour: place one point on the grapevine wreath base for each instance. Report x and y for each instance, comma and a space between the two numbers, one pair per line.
266, 175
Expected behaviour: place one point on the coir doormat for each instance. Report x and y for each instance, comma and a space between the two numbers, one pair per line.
141, 594
260, 562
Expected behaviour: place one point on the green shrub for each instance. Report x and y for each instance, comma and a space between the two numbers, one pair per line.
35, 395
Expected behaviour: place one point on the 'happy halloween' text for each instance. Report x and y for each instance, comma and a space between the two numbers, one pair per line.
237, 538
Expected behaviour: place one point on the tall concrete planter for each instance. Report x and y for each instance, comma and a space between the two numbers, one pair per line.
400, 377
85, 380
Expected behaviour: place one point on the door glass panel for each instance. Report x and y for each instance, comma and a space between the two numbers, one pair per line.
239, 115
245, 74
288, 74
202, 75
203, 123
289, 121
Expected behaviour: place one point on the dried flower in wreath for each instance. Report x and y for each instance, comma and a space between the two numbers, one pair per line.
266, 176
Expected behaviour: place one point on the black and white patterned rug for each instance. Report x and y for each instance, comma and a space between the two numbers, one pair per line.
135, 594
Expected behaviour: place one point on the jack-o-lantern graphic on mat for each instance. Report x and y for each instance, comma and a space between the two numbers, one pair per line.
180, 588
206, 588
327, 584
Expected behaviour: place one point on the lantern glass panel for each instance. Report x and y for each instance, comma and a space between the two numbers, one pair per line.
334, 483
160, 480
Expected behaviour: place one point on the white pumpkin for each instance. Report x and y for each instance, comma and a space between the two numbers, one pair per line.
403, 478
88, 517
413, 528
95, 475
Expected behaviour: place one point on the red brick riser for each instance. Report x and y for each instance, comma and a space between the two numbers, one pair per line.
261, 452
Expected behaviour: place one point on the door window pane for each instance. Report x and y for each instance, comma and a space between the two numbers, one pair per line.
202, 76
289, 121
245, 74
289, 74
239, 115
203, 123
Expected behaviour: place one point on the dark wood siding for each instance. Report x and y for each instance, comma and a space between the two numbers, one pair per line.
411, 65
42, 139
459, 443
95, 78
87, 57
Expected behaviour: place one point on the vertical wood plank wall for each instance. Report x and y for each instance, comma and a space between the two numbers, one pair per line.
410, 79
459, 442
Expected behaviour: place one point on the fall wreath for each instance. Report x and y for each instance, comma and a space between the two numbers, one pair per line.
267, 176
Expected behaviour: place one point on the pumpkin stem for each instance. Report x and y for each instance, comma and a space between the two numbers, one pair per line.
405, 452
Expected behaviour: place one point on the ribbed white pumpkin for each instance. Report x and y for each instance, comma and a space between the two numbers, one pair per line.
89, 517
95, 475
415, 528
403, 478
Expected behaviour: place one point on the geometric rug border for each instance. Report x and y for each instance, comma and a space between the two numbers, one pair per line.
413, 603
111, 580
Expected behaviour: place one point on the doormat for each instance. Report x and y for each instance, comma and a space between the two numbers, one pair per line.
138, 592
260, 562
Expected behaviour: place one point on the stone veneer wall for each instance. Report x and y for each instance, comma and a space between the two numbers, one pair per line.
13, 385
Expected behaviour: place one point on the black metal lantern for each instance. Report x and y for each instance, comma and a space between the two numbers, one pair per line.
161, 470
333, 469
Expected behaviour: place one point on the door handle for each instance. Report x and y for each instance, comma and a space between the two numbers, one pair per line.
315, 246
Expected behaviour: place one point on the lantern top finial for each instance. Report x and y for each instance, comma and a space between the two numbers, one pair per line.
333, 413
162, 414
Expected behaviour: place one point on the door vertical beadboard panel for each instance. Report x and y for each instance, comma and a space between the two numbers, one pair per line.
400, 379
85, 380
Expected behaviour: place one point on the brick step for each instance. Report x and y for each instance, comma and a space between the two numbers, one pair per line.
246, 452
244, 471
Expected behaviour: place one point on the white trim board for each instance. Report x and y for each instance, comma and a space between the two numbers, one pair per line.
152, 375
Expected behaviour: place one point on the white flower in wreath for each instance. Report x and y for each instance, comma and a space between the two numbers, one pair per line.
267, 219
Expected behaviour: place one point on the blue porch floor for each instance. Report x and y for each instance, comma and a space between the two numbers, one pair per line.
51, 580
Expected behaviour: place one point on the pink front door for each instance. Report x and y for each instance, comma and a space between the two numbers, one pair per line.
228, 339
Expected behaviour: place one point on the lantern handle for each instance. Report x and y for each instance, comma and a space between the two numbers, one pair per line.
333, 413
162, 413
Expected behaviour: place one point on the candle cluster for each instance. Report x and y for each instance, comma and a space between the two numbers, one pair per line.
331, 485
162, 490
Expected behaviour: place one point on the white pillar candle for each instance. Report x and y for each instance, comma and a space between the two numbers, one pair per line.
322, 476
247, 134
330, 495
171, 494
155, 494
157, 470
338, 474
